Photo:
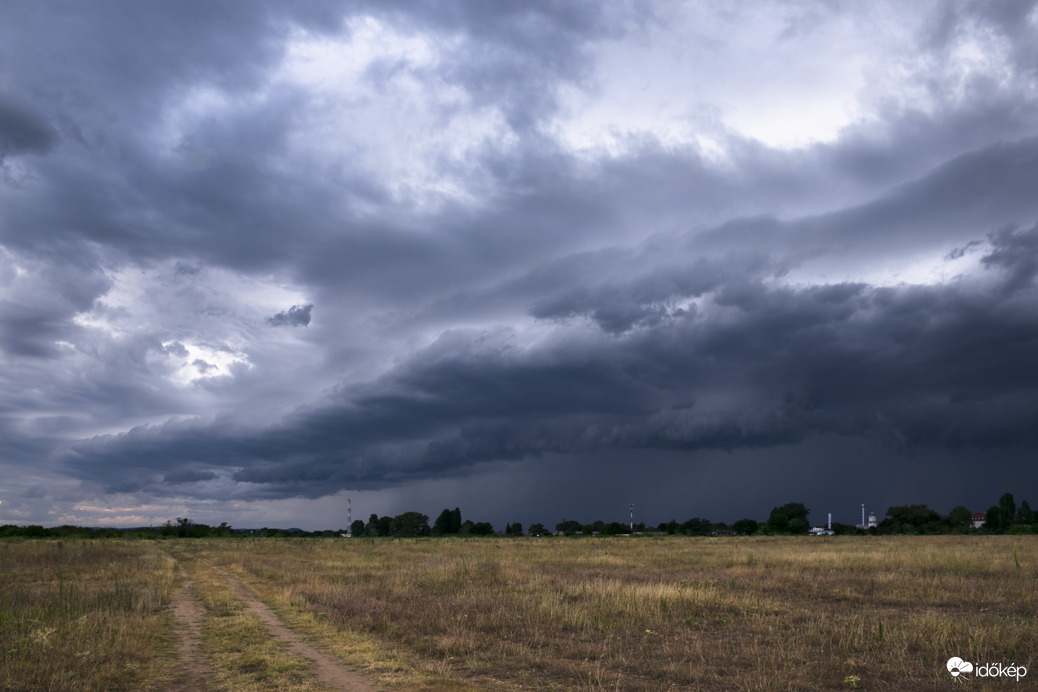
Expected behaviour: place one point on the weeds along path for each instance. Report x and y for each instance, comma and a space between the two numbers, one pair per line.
325, 667
195, 673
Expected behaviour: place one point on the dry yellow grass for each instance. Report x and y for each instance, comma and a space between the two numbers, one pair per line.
242, 654
84, 615
660, 613
554, 614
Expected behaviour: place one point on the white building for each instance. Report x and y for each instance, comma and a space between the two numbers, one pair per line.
826, 530
871, 522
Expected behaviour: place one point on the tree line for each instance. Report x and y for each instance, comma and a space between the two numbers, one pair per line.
787, 519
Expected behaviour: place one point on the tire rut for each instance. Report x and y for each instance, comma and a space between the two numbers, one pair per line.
194, 673
326, 668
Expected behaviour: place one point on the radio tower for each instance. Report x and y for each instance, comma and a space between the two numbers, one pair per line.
349, 518
631, 507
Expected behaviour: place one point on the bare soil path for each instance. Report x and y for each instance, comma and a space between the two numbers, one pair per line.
327, 669
195, 674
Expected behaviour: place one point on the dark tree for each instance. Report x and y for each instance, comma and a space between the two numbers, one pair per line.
697, 527
910, 519
357, 527
538, 530
456, 521
1025, 515
993, 521
186, 528
1006, 511
960, 518
789, 518
442, 525
411, 524
568, 527
745, 527
481, 528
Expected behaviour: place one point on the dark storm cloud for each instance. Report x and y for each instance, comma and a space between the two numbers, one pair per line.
1008, 18
647, 299
620, 288
232, 208
116, 68
295, 316
989, 186
127, 53
36, 311
1016, 252
187, 476
23, 131
163, 205
761, 365
222, 200
105, 197
177, 349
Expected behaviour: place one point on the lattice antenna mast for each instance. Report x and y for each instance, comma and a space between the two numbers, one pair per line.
349, 518
631, 507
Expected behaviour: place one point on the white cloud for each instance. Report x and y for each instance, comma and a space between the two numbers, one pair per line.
374, 101
702, 74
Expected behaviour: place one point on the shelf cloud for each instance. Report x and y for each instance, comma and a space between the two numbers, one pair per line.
528, 259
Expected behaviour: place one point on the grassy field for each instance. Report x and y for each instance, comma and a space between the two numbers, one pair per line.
641, 613
666, 613
84, 615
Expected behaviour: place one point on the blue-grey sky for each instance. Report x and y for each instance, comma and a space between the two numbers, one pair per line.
538, 260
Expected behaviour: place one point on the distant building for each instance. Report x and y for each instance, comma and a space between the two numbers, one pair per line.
978, 519
872, 521
826, 530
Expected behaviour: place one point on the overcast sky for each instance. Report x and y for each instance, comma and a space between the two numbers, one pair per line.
538, 260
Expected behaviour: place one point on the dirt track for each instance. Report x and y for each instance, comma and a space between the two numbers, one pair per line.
195, 673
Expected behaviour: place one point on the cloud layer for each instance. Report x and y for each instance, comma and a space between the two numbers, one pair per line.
250, 259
